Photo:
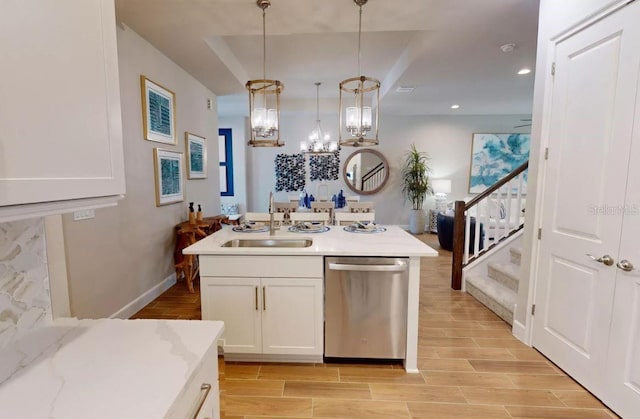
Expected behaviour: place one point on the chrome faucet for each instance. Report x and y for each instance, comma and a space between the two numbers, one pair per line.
272, 210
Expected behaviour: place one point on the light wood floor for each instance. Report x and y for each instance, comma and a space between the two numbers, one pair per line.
470, 367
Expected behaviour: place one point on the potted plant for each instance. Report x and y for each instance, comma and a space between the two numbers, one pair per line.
416, 186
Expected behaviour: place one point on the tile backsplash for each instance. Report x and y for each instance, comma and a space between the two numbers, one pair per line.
25, 300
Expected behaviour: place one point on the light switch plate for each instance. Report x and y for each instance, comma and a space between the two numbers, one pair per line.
84, 215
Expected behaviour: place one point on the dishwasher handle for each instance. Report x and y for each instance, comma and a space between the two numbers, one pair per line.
398, 267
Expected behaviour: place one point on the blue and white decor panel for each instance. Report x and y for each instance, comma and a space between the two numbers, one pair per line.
493, 156
290, 173
324, 167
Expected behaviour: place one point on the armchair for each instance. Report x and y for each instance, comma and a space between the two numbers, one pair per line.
445, 232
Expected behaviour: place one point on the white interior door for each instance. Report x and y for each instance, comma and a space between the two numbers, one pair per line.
591, 122
623, 367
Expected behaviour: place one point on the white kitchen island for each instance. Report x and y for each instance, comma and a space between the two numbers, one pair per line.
112, 369
238, 284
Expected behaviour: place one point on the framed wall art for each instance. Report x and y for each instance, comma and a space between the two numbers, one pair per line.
158, 112
168, 176
196, 156
493, 156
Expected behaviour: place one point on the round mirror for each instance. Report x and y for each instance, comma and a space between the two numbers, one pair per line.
366, 171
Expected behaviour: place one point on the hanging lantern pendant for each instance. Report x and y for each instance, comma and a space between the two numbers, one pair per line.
359, 122
263, 95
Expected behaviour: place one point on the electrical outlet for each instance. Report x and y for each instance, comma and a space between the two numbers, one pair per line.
84, 215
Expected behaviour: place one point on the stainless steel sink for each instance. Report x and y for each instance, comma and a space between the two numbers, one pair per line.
268, 243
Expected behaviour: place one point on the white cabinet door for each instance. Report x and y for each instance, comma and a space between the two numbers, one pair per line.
623, 366
236, 302
590, 131
292, 316
60, 118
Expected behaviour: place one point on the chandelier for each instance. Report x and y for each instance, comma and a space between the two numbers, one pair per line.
359, 103
319, 142
264, 99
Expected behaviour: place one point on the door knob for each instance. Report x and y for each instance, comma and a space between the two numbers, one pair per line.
625, 265
606, 259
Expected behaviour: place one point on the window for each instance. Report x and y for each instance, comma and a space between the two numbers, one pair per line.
225, 148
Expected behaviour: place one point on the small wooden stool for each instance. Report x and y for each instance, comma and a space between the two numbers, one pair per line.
186, 235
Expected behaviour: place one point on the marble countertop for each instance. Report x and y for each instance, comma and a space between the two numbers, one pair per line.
102, 368
393, 242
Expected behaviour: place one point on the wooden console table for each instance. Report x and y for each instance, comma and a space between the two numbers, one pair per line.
186, 235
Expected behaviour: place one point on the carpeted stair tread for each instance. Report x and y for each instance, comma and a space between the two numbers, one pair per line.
506, 274
496, 297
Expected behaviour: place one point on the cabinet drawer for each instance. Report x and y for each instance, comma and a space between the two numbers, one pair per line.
193, 394
262, 266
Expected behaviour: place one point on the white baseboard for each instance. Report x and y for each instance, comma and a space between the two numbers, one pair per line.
140, 302
519, 330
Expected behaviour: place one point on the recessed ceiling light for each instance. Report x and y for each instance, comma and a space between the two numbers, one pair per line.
524, 71
455, 106
405, 89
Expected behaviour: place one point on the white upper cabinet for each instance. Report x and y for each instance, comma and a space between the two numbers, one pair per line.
60, 118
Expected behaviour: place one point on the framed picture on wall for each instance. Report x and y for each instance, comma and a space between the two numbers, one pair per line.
169, 176
158, 112
196, 156
493, 156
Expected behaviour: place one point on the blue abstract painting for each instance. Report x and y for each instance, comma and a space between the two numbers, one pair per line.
493, 156
158, 109
159, 113
170, 177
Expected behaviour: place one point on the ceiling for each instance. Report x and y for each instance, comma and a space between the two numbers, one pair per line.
448, 50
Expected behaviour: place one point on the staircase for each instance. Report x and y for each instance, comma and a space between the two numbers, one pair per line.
498, 289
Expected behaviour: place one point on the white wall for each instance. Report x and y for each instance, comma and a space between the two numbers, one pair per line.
555, 17
238, 127
447, 140
127, 250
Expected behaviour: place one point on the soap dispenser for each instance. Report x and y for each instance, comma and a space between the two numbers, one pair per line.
192, 215
199, 213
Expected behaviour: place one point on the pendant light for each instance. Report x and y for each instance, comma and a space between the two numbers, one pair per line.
359, 103
319, 142
264, 99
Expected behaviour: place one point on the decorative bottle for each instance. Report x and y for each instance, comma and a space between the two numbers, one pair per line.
334, 199
306, 200
301, 203
341, 199
192, 215
311, 199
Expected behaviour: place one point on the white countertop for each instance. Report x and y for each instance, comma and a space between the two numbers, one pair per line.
393, 242
102, 368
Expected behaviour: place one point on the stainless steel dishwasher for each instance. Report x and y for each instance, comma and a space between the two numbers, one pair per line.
366, 307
